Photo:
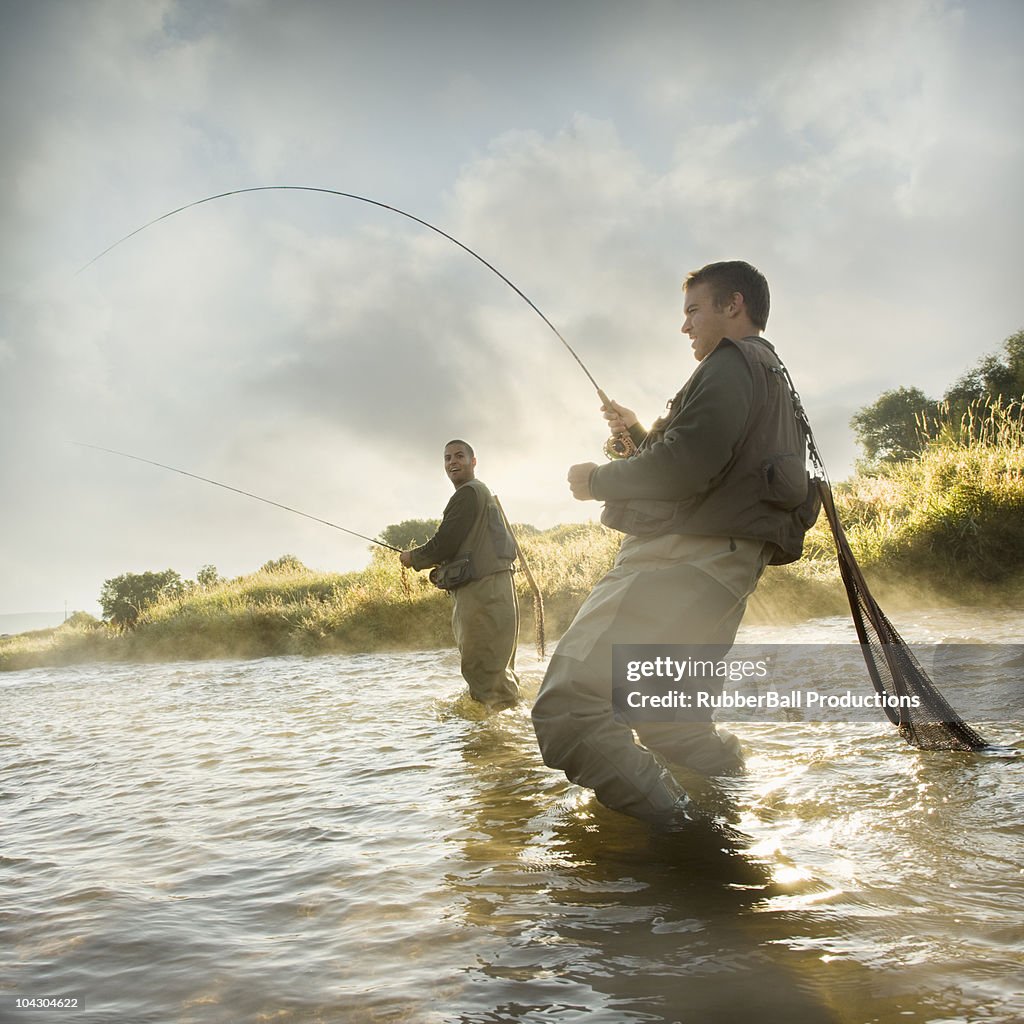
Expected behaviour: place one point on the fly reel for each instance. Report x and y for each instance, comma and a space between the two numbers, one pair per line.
619, 446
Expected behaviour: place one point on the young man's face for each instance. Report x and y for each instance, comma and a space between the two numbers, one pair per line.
458, 464
705, 325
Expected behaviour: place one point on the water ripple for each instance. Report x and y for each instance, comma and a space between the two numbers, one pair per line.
348, 839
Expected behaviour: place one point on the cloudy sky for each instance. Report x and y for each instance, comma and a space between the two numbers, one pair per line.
320, 351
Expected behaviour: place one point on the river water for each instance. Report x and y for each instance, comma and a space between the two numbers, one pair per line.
343, 839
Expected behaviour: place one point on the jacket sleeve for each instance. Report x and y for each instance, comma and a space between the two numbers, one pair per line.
638, 434
459, 515
698, 443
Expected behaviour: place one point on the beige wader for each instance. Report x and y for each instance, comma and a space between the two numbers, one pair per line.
672, 589
485, 621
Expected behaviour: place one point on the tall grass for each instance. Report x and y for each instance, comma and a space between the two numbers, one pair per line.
944, 526
954, 515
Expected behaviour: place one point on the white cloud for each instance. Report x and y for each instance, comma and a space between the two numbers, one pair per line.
320, 350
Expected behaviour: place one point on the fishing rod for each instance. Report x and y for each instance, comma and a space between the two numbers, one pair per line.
620, 444
237, 490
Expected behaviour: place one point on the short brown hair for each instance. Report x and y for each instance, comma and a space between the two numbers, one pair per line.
734, 276
465, 444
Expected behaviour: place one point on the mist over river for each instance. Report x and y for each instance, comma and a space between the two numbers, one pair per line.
345, 839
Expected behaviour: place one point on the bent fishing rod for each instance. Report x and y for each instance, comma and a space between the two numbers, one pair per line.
622, 442
237, 490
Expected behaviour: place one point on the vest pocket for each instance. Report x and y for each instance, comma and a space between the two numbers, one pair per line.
452, 575
784, 481
639, 517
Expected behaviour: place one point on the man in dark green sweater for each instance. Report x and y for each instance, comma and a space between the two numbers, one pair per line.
473, 551
711, 497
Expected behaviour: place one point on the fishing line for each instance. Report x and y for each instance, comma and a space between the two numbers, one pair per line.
237, 490
372, 202
620, 444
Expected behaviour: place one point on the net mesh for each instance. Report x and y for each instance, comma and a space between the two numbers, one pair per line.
929, 722
524, 566
911, 700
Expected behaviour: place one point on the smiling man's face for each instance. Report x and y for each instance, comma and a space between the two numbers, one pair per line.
704, 323
459, 464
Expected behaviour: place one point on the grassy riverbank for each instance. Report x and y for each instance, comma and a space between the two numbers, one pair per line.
941, 529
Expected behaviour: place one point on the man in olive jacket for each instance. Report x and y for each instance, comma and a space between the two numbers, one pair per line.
474, 551
711, 497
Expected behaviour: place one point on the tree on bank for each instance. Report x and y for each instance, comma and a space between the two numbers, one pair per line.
890, 429
124, 597
411, 533
994, 376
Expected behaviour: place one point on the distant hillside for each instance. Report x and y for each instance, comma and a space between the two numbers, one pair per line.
26, 621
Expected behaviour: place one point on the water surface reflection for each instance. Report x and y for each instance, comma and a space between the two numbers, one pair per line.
343, 839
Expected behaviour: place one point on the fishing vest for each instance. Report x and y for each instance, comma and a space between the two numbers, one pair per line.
763, 493
489, 546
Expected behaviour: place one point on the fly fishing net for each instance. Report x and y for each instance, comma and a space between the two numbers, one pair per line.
911, 702
910, 699
524, 566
